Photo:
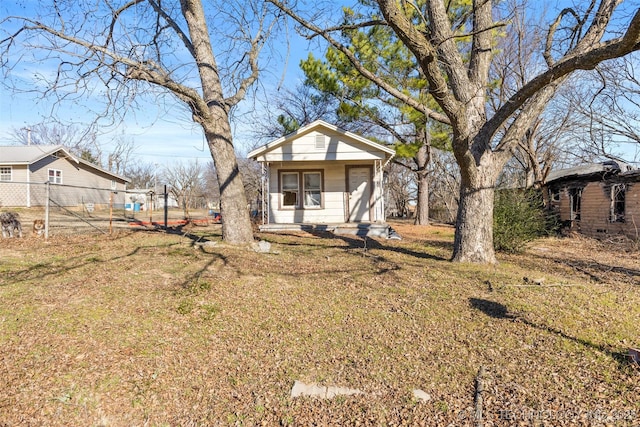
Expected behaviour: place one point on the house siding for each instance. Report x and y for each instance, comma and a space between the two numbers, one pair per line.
14, 192
595, 209
338, 147
81, 184
320, 146
334, 194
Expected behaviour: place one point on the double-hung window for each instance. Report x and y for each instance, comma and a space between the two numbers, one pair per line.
55, 176
301, 190
5, 173
312, 189
290, 189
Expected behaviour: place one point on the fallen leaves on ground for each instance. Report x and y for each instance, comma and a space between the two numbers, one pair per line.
144, 328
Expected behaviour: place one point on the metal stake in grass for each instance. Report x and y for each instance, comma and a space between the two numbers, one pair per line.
478, 399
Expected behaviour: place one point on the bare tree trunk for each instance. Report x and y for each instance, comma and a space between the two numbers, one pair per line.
236, 222
422, 209
214, 118
473, 240
422, 159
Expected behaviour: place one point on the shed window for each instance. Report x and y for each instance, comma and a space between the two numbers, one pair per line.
55, 176
618, 195
290, 189
312, 189
5, 173
576, 200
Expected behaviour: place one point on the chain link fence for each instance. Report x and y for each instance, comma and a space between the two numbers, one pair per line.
66, 209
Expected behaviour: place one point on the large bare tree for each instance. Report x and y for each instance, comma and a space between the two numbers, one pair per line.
124, 50
607, 106
455, 48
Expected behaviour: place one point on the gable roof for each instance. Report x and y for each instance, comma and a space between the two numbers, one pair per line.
319, 125
29, 154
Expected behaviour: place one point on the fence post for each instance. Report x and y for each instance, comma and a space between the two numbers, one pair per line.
166, 206
46, 210
110, 212
150, 204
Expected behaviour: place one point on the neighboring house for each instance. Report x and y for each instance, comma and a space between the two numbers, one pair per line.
145, 198
597, 199
25, 170
323, 176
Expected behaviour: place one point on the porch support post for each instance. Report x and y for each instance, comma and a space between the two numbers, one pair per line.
263, 179
266, 192
380, 173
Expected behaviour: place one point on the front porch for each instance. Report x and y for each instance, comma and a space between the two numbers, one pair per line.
362, 229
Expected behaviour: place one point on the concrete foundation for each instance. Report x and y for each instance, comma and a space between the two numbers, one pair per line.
381, 230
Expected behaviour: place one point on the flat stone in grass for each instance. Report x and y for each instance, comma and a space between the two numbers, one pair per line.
301, 389
261, 246
421, 395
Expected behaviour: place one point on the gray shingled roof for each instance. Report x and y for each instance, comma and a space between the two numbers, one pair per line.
27, 154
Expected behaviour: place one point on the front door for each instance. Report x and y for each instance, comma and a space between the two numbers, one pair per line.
359, 179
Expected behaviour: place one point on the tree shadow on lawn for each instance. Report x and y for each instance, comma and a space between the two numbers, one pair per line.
588, 268
54, 267
497, 310
369, 243
357, 242
595, 270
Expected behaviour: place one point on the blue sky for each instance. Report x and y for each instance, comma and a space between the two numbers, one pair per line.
161, 135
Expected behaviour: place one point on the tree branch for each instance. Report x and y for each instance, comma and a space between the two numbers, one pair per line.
360, 67
174, 25
348, 27
583, 60
143, 71
257, 42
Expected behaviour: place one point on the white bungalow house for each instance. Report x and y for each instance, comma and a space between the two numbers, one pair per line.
325, 178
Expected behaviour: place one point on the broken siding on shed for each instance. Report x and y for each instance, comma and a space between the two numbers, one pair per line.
596, 209
632, 219
596, 206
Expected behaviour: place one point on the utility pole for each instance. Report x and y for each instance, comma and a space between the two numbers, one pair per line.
28, 129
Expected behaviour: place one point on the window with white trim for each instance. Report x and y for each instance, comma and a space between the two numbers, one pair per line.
114, 185
55, 176
301, 189
290, 189
312, 182
6, 173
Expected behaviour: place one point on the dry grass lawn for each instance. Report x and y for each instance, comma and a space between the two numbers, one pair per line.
144, 328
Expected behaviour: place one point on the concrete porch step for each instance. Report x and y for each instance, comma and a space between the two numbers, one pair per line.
355, 229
